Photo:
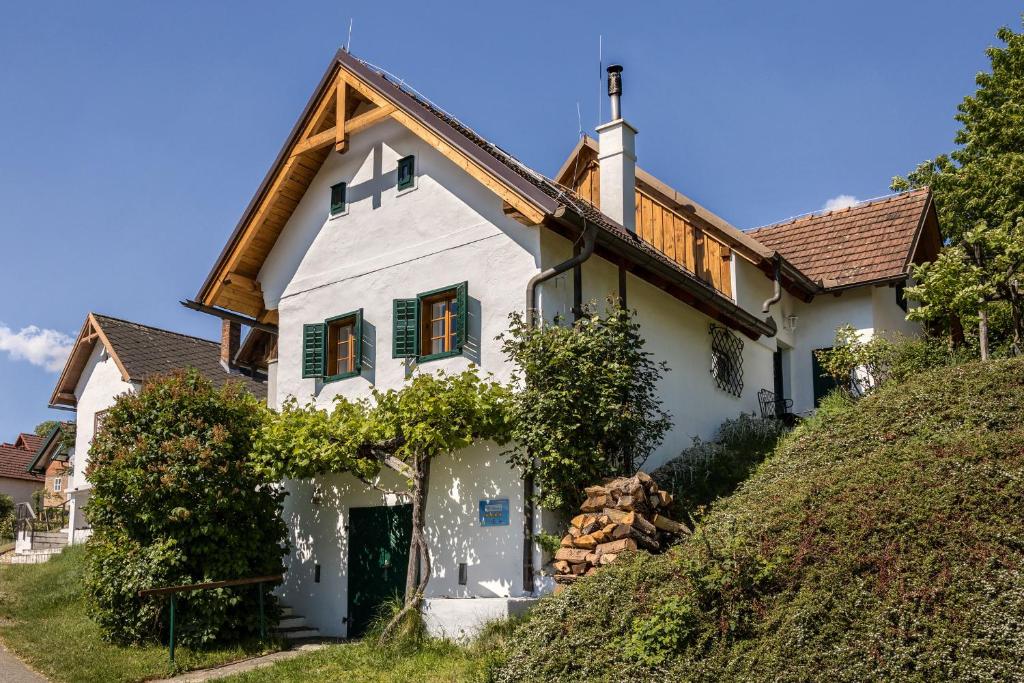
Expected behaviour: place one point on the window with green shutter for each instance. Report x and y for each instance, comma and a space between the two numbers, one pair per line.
338, 199
333, 350
313, 350
406, 172
344, 346
433, 325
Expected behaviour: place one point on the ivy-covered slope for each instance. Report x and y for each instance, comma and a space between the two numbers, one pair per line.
883, 540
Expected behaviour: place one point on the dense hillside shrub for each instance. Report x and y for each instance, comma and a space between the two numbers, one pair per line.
176, 500
709, 469
881, 541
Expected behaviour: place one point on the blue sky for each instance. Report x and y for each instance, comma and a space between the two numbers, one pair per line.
133, 134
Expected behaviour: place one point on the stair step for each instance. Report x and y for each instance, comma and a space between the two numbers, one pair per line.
287, 611
298, 633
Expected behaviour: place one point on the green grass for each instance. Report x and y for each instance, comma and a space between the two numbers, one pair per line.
435, 662
43, 621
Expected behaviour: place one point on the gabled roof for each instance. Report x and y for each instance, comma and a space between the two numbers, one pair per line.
871, 242
353, 95
15, 458
141, 351
30, 442
49, 448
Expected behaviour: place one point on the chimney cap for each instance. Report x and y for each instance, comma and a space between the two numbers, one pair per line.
615, 69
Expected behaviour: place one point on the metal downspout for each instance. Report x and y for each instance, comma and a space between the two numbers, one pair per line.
589, 240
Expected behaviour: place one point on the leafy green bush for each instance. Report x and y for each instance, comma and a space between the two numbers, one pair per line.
862, 365
587, 406
708, 470
6, 516
175, 500
879, 542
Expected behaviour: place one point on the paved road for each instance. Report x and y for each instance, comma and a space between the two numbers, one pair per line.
13, 671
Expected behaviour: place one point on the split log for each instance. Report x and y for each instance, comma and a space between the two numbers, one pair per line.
613, 547
567, 541
579, 568
586, 541
608, 558
571, 554
561, 566
671, 526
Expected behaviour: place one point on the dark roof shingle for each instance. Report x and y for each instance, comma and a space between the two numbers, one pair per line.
864, 243
146, 351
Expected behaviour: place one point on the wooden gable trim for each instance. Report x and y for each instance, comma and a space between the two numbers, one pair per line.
64, 394
327, 123
927, 239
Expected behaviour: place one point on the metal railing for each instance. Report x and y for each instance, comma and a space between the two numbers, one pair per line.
174, 590
29, 520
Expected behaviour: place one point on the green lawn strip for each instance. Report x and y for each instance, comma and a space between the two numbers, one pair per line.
435, 662
43, 621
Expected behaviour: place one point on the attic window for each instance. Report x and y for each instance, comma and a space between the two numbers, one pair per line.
338, 199
406, 172
726, 360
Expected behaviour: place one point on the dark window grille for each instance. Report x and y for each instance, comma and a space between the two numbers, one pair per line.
726, 360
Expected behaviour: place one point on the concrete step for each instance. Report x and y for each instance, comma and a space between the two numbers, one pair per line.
298, 632
293, 626
30, 556
52, 537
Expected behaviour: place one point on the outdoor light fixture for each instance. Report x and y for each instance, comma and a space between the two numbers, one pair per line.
790, 322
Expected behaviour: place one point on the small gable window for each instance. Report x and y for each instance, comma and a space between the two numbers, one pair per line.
56, 485
332, 350
338, 199
406, 172
433, 325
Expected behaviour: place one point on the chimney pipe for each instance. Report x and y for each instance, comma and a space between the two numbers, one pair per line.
616, 155
615, 90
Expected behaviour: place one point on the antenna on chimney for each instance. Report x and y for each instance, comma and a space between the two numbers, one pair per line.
348, 43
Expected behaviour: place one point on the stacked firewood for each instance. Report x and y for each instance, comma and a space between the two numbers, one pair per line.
624, 514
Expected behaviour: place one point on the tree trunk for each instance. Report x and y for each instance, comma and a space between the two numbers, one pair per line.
418, 571
983, 332
1018, 318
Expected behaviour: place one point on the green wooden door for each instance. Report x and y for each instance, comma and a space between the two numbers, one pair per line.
378, 556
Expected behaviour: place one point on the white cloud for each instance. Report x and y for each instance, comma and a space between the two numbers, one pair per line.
840, 202
45, 348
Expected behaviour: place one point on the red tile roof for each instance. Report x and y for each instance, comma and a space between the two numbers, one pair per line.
864, 243
29, 442
14, 459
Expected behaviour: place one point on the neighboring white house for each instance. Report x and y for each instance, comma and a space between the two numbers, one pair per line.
388, 238
112, 357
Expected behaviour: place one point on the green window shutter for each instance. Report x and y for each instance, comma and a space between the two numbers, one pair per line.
406, 172
337, 199
313, 339
359, 340
405, 337
461, 306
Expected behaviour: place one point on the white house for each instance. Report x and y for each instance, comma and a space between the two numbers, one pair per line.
389, 238
112, 357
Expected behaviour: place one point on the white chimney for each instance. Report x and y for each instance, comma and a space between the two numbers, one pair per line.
616, 153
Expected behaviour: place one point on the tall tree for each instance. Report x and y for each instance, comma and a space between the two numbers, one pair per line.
979, 195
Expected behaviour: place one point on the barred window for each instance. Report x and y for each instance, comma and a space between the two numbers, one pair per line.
726, 360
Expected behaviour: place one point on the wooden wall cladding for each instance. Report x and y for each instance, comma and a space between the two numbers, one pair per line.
670, 233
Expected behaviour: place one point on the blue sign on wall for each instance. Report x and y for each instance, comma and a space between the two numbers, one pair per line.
494, 512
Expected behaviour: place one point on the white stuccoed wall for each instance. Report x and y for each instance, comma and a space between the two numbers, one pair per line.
98, 388
391, 245
675, 333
